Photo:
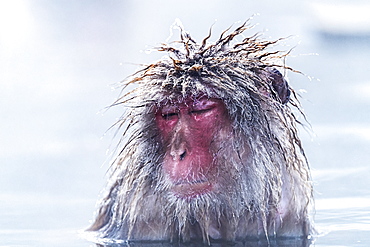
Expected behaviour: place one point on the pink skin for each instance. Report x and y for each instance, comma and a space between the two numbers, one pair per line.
188, 129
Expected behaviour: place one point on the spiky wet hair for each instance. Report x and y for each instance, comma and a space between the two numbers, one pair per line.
245, 76
223, 69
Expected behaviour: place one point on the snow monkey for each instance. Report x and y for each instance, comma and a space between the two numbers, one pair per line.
209, 148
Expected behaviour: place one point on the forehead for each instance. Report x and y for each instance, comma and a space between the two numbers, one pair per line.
188, 102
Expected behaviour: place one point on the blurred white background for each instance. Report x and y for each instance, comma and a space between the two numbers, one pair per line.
59, 61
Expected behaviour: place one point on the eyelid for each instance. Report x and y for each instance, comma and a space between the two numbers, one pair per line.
168, 109
200, 111
205, 106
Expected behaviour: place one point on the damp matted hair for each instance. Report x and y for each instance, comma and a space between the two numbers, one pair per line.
245, 76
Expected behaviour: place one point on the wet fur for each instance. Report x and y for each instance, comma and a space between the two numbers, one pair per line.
264, 188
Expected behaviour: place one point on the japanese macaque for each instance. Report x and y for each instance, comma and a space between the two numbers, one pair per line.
210, 149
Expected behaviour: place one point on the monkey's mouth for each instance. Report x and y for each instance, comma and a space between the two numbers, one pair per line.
192, 190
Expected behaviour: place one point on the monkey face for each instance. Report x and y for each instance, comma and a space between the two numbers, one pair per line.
188, 130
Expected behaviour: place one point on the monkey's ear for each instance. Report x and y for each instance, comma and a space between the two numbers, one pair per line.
280, 85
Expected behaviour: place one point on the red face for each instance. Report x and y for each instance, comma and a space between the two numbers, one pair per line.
188, 130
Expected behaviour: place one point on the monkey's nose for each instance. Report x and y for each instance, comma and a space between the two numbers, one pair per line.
179, 146
179, 154
182, 156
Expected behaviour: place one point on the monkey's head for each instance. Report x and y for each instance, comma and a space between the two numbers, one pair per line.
209, 144
201, 97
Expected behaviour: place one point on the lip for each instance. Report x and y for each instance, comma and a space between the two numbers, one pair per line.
192, 190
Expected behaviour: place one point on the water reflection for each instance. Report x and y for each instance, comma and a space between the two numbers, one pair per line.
283, 242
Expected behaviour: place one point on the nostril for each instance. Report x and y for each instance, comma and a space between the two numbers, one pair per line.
182, 156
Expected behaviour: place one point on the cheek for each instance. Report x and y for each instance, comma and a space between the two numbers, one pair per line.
214, 127
203, 133
165, 127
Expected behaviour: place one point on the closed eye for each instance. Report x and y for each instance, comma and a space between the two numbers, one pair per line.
168, 116
201, 111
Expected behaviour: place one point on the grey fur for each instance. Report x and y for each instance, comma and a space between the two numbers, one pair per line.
261, 163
